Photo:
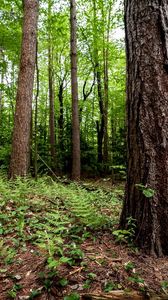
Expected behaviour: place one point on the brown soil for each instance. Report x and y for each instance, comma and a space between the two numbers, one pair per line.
103, 257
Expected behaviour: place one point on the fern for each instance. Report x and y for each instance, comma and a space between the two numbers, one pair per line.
80, 206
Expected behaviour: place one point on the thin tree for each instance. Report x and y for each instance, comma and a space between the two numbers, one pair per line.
74, 89
19, 163
98, 75
146, 198
36, 115
51, 88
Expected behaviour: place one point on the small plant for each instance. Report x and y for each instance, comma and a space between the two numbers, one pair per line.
129, 266
47, 279
34, 294
126, 235
110, 286
87, 284
13, 292
73, 296
76, 254
7, 253
164, 286
91, 276
136, 279
147, 192
63, 282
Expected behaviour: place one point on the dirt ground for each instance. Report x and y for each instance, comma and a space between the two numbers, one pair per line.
110, 265
107, 270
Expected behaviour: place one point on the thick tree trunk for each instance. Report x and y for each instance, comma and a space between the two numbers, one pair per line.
21, 135
147, 115
74, 87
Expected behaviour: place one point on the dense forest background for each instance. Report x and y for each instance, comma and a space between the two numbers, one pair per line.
101, 86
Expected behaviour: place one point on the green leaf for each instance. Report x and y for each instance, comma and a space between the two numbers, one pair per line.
148, 193
73, 296
63, 282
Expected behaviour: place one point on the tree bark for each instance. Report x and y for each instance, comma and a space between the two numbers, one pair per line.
51, 91
19, 164
61, 115
100, 123
36, 116
147, 116
74, 87
106, 83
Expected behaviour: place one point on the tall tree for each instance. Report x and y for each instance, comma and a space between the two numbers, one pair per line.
74, 89
147, 116
98, 75
51, 88
106, 37
22, 124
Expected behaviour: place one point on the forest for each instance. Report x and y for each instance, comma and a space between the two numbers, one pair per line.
83, 149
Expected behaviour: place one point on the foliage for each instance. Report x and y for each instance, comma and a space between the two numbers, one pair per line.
147, 192
126, 235
46, 213
73, 296
56, 24
164, 286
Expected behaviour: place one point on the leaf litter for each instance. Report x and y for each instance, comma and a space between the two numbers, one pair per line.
91, 262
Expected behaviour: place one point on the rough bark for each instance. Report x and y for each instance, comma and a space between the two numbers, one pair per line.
36, 116
74, 87
21, 135
147, 116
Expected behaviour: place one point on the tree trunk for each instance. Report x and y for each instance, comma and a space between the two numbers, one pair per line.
21, 135
51, 91
147, 116
74, 87
100, 123
61, 115
1, 97
106, 84
36, 116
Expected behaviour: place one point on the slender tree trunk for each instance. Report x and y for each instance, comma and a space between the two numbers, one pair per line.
1, 98
36, 115
19, 164
74, 87
147, 116
61, 116
106, 84
51, 91
100, 123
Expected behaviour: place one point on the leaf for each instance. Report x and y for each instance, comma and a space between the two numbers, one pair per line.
73, 296
148, 193
63, 282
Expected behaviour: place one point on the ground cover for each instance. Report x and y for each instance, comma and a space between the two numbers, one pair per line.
61, 241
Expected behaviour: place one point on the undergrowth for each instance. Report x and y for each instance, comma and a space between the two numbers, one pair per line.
55, 217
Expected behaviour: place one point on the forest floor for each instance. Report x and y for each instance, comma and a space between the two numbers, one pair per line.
60, 241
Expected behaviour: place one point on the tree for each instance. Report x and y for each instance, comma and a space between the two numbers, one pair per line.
146, 198
51, 88
22, 124
74, 89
